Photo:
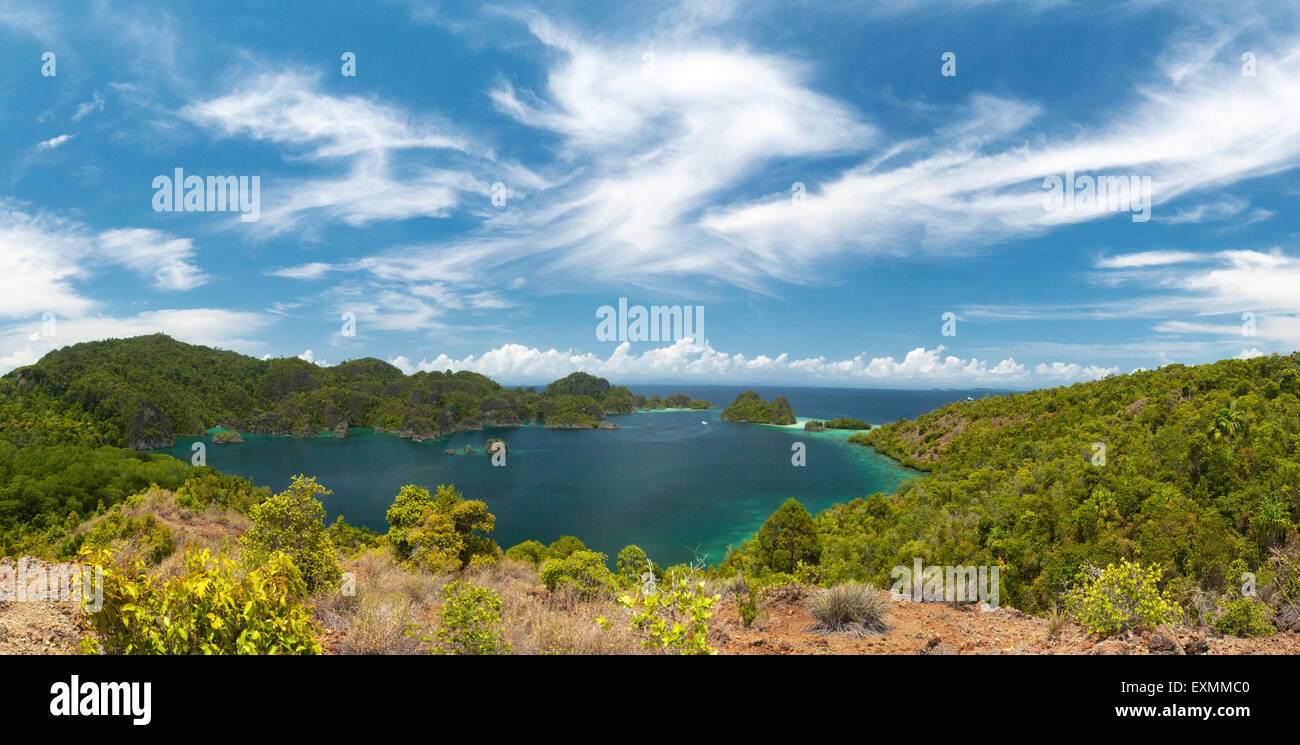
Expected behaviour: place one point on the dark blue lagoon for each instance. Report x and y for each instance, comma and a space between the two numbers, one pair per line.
673, 482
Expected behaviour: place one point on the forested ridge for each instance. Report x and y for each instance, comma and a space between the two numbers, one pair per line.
1195, 470
149, 389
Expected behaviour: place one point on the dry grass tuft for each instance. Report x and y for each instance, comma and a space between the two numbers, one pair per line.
389, 597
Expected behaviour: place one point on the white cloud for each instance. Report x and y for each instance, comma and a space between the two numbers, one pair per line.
313, 270
41, 261
687, 361
1149, 258
53, 142
657, 139
1228, 206
45, 258
286, 108
431, 178
1204, 131
308, 356
152, 253
96, 103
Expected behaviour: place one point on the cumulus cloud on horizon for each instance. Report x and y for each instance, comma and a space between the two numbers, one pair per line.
686, 361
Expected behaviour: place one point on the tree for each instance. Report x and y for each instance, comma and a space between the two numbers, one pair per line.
633, 564
533, 552
439, 532
564, 546
293, 521
788, 537
1228, 424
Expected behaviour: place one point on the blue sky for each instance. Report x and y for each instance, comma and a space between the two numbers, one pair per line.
492, 175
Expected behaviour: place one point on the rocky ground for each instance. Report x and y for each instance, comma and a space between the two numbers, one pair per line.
784, 626
35, 626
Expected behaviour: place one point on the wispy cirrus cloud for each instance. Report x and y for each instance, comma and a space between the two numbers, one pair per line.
153, 253
354, 143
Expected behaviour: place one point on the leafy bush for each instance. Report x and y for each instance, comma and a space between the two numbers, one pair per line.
564, 546
440, 532
471, 622
1110, 601
584, 572
293, 521
1243, 615
675, 621
850, 608
533, 552
211, 488
747, 604
212, 608
354, 539
151, 538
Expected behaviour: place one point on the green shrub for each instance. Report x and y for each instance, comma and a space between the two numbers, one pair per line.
153, 539
293, 521
850, 608
439, 532
211, 488
564, 546
582, 571
533, 552
747, 604
354, 539
1243, 615
1112, 600
470, 622
212, 608
675, 621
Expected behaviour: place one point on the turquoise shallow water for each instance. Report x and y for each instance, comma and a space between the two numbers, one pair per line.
675, 483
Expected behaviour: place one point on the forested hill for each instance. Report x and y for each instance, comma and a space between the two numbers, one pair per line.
1195, 469
143, 391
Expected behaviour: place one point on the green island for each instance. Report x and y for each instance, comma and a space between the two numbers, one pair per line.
750, 407
1128, 503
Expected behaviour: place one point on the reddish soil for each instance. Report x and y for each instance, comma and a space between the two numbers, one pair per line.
785, 626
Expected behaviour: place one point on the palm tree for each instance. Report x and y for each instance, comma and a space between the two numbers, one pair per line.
1228, 423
